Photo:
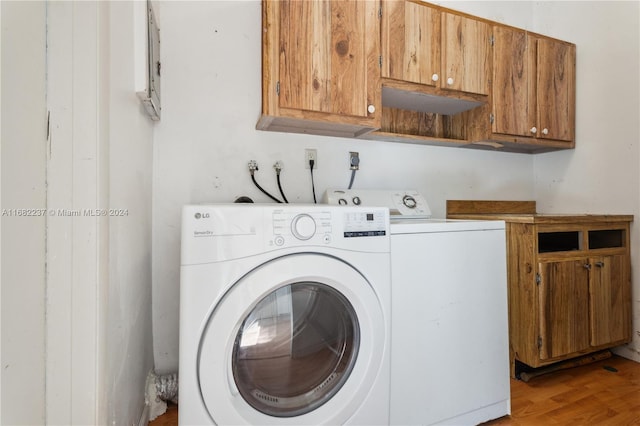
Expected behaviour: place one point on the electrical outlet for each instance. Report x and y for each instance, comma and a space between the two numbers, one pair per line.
354, 160
311, 154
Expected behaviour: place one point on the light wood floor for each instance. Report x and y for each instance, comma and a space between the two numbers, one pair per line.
605, 393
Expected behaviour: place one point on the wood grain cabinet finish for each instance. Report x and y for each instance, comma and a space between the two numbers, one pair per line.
321, 67
569, 294
465, 54
435, 69
533, 100
410, 71
410, 42
429, 46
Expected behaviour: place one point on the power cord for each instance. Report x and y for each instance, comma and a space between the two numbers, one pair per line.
354, 166
353, 177
313, 187
278, 167
253, 167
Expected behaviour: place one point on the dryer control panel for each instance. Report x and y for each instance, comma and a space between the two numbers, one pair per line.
401, 203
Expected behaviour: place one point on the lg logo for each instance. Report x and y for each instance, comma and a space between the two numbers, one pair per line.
202, 215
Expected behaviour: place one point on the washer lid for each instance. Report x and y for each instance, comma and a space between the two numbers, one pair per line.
298, 340
443, 225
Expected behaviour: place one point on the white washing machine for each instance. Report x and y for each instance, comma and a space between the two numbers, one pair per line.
449, 322
284, 315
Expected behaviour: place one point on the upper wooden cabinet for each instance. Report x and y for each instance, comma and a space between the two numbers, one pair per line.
435, 68
533, 89
410, 42
555, 89
320, 67
410, 71
465, 54
429, 46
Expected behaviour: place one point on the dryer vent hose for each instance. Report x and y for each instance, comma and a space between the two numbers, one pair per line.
167, 387
159, 390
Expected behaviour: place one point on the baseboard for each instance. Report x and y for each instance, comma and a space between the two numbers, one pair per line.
627, 352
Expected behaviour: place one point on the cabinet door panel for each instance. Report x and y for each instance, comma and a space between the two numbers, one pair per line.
609, 289
465, 54
514, 70
564, 308
325, 56
410, 42
556, 89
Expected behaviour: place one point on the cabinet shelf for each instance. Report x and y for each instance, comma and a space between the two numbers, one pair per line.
550, 242
415, 100
415, 139
606, 238
419, 114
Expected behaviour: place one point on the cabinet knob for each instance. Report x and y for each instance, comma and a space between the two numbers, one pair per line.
599, 264
435, 77
534, 130
587, 266
371, 109
545, 131
450, 81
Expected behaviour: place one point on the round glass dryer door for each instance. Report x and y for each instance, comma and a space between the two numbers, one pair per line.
296, 349
298, 340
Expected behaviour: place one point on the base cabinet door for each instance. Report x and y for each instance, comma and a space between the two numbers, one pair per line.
609, 289
564, 308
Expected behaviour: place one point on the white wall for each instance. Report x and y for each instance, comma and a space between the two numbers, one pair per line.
602, 174
76, 333
0, 207
23, 138
211, 96
77, 179
99, 268
129, 331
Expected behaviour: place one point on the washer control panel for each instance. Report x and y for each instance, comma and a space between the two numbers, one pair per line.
401, 203
323, 227
218, 232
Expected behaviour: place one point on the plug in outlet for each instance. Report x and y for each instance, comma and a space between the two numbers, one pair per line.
354, 160
310, 154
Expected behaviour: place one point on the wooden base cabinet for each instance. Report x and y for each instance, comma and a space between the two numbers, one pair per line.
569, 280
569, 288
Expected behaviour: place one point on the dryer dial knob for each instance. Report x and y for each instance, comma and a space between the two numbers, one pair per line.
303, 227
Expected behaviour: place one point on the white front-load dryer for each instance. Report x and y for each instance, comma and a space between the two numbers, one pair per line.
284, 315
